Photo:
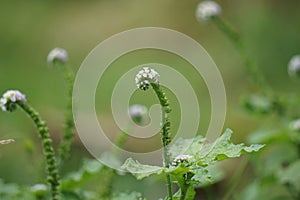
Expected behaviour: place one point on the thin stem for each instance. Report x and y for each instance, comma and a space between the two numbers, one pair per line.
110, 174
107, 182
166, 136
53, 176
236, 178
65, 145
235, 38
121, 139
184, 192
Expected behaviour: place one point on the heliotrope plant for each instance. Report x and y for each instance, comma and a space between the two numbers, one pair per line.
187, 167
278, 165
10, 101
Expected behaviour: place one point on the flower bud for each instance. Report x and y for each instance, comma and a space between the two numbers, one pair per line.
207, 9
57, 55
138, 113
294, 66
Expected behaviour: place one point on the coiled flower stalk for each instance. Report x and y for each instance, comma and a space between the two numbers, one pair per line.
9, 102
145, 78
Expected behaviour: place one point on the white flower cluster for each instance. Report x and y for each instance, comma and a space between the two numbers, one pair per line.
294, 66
57, 54
207, 9
181, 159
145, 77
9, 98
138, 113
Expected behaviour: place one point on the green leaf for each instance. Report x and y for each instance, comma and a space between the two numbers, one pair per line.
291, 175
190, 194
207, 176
128, 196
186, 146
222, 149
139, 170
88, 169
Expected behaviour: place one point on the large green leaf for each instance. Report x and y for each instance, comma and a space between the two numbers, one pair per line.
186, 146
139, 170
222, 149
206, 176
209, 153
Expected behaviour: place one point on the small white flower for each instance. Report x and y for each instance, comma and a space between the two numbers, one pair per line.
138, 113
294, 66
295, 125
57, 54
207, 9
181, 159
145, 77
9, 98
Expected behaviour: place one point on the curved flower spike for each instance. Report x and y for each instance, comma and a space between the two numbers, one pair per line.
145, 77
10, 98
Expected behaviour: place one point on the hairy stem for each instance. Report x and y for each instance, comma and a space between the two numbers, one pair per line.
65, 145
53, 176
166, 136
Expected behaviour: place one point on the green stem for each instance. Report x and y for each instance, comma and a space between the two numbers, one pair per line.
121, 139
235, 180
65, 145
53, 177
110, 174
235, 38
106, 191
166, 136
184, 192
187, 191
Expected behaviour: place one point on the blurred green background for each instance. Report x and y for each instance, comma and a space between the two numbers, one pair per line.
30, 29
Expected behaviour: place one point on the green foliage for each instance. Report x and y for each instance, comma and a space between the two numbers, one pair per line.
128, 196
199, 170
87, 171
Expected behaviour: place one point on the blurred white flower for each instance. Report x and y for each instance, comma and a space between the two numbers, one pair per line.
6, 141
57, 54
145, 77
9, 98
138, 113
207, 9
294, 66
39, 189
181, 159
295, 125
